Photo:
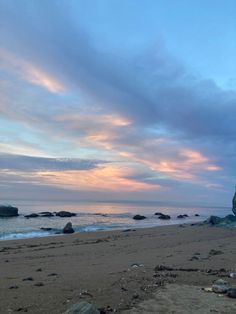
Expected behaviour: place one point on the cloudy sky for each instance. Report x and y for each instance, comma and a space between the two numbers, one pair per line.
118, 100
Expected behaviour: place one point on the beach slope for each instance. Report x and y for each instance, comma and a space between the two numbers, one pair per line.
155, 270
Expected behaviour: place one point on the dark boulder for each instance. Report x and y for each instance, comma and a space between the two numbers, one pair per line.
227, 220
158, 213
32, 215
182, 216
8, 211
139, 217
164, 217
213, 220
196, 215
68, 228
65, 214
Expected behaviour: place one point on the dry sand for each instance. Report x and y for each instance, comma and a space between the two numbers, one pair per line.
117, 270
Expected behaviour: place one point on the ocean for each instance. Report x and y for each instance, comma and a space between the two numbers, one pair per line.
94, 216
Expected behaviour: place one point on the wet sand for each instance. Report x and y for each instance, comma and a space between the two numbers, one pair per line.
123, 271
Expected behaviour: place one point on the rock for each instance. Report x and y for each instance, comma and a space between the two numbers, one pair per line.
196, 215
227, 220
213, 220
106, 310
139, 217
234, 204
220, 286
195, 258
158, 213
28, 279
65, 214
181, 216
46, 214
13, 287
46, 229
231, 293
215, 252
68, 228
52, 274
164, 217
8, 211
32, 216
39, 284
82, 308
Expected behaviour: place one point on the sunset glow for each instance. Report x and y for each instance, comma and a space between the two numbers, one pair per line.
103, 101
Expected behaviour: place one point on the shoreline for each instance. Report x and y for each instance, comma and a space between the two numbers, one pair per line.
48, 234
22, 228
115, 268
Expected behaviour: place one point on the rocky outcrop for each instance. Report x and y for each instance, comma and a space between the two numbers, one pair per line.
234, 204
65, 214
139, 217
8, 211
68, 228
82, 308
215, 220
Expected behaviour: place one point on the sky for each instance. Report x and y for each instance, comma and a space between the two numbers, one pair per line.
118, 100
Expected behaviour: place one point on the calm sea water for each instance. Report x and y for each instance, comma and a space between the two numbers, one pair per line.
96, 216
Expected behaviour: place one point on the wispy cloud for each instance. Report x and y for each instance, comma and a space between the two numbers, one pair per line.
64, 93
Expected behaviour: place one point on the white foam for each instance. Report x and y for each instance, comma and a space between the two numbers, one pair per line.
25, 235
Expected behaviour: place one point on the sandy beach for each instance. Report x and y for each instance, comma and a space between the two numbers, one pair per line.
155, 270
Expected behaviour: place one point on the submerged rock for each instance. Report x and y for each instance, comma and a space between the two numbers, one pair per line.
82, 308
158, 213
68, 228
181, 216
65, 214
139, 217
8, 211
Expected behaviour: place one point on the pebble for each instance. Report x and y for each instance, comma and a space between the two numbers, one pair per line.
13, 287
232, 275
39, 284
215, 252
220, 286
28, 279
